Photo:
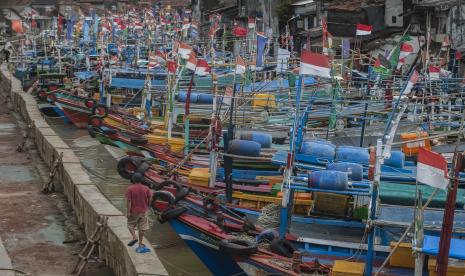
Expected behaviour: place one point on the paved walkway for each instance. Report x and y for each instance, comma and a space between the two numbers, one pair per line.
33, 226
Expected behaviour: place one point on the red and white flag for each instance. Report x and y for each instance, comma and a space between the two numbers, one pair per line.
240, 65
405, 50
202, 68
184, 50
434, 72
363, 29
315, 64
191, 63
251, 23
445, 43
432, 169
411, 82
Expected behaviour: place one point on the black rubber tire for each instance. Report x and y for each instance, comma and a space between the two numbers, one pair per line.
95, 121
162, 195
181, 194
90, 103
171, 213
169, 183
92, 131
143, 167
238, 247
97, 108
126, 161
139, 140
282, 247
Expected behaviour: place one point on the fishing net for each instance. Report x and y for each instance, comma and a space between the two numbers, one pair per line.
269, 218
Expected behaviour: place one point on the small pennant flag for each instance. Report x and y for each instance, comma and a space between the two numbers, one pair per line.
184, 50
240, 65
202, 68
363, 30
432, 169
315, 64
191, 62
434, 72
411, 82
458, 55
405, 50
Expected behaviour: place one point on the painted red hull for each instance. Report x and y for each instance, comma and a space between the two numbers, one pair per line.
78, 118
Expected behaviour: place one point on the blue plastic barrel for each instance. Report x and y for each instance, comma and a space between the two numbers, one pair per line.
182, 96
318, 149
396, 160
356, 170
205, 98
263, 139
328, 180
244, 148
353, 155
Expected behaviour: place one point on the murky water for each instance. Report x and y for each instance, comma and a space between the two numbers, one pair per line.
100, 162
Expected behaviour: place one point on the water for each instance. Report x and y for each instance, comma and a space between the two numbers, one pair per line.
100, 163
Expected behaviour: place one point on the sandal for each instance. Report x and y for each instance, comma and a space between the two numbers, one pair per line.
131, 243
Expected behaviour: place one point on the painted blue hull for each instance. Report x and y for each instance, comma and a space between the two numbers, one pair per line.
206, 248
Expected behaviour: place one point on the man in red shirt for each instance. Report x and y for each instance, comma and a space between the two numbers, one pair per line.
138, 198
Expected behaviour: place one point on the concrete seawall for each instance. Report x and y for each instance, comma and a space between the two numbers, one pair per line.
85, 198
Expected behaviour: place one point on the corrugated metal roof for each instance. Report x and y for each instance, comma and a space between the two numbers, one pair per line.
354, 5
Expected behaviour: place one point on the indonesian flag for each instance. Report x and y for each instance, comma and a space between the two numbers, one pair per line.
191, 62
363, 29
171, 66
184, 50
240, 65
434, 72
203, 68
251, 23
405, 50
411, 82
186, 24
314, 64
432, 169
153, 61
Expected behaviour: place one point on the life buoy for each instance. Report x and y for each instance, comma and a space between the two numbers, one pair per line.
127, 166
95, 121
51, 98
238, 247
282, 247
100, 110
90, 103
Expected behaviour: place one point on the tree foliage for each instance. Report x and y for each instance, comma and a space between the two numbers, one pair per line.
284, 12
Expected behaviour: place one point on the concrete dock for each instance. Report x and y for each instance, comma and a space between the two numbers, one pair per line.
85, 199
